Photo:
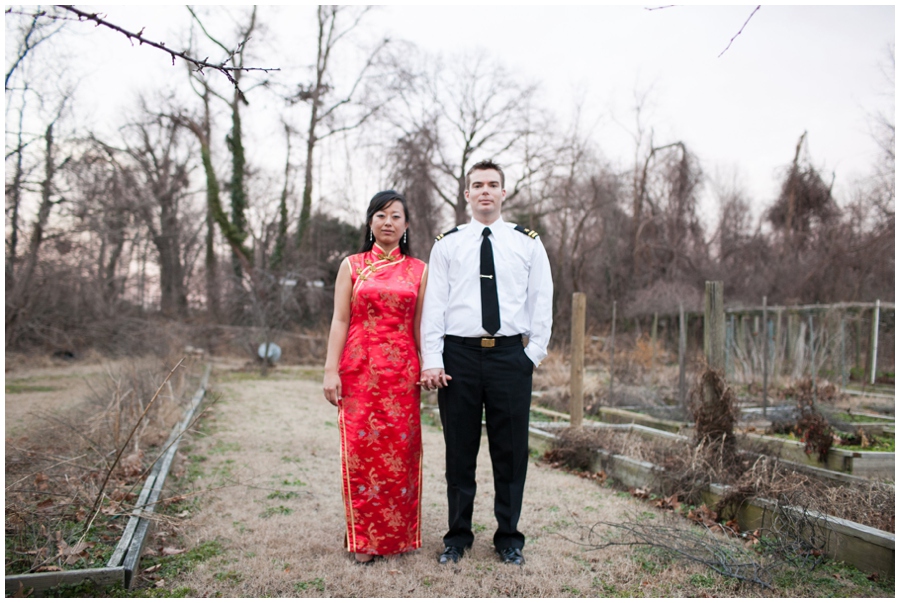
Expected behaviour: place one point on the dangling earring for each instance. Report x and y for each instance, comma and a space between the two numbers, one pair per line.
404, 237
371, 235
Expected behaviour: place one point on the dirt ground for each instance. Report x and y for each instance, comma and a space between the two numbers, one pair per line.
270, 462
37, 389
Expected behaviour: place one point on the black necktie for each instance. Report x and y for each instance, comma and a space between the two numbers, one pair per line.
490, 307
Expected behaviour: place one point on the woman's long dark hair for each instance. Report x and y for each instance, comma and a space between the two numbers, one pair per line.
379, 202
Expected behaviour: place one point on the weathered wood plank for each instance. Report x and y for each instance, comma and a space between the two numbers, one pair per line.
41, 583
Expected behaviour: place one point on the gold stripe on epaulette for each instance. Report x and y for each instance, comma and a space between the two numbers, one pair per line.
442, 235
531, 233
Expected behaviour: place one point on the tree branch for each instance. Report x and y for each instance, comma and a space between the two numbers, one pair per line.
220, 67
740, 31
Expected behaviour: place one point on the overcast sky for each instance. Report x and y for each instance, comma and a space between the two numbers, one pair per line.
793, 69
817, 69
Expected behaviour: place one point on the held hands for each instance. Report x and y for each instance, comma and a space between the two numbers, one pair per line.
432, 379
332, 387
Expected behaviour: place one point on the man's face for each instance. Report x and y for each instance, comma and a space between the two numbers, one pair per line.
485, 195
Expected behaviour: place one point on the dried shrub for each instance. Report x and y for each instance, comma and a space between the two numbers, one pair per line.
687, 470
815, 432
573, 448
802, 392
807, 423
713, 406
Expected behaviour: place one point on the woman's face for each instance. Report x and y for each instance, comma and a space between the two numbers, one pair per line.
388, 225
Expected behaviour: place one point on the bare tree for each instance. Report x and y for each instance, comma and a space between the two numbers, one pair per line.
326, 106
161, 179
33, 30
474, 109
17, 297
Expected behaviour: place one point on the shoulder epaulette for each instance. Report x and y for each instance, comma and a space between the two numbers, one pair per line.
527, 231
441, 236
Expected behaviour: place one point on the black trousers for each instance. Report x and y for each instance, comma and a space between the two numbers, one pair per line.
497, 380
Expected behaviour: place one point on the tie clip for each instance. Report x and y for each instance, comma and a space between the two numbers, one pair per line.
487, 276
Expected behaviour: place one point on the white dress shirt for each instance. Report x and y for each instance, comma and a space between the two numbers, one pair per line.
452, 303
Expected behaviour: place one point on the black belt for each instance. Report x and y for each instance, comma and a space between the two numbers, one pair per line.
486, 342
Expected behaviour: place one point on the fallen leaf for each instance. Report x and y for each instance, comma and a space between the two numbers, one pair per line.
159, 584
20, 593
667, 503
394, 571
874, 577
40, 481
72, 554
49, 568
118, 496
80, 515
639, 492
153, 568
45, 504
170, 550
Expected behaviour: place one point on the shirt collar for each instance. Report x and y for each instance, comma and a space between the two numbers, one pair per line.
477, 227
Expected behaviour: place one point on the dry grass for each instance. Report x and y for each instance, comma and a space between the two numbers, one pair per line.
268, 462
58, 458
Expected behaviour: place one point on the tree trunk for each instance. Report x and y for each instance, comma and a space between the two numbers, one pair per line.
16, 305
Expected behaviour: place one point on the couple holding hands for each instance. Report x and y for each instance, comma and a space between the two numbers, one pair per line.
472, 324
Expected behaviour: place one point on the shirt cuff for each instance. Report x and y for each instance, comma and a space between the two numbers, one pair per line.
432, 361
535, 354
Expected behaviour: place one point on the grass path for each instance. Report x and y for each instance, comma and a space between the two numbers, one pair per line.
273, 443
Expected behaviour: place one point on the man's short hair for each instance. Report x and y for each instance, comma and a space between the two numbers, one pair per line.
485, 164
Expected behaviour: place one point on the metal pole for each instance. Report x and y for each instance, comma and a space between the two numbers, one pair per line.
874, 354
576, 382
612, 356
765, 391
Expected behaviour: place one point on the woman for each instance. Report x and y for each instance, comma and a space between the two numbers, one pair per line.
371, 374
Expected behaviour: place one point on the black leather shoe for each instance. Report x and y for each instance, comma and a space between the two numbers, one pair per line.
511, 555
451, 553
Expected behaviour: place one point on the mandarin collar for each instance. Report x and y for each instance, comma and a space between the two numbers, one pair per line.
380, 253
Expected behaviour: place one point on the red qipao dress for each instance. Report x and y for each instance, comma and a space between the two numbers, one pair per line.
378, 416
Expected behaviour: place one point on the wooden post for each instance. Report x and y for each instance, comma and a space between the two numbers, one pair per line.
874, 354
576, 383
812, 358
729, 346
714, 325
779, 346
858, 344
612, 356
653, 328
843, 354
793, 331
682, 352
765, 348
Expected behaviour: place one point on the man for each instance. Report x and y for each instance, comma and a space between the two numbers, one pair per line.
488, 286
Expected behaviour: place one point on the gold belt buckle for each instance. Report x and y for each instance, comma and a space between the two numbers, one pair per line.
487, 342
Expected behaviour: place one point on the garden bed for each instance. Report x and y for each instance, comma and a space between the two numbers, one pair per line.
55, 533
867, 548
